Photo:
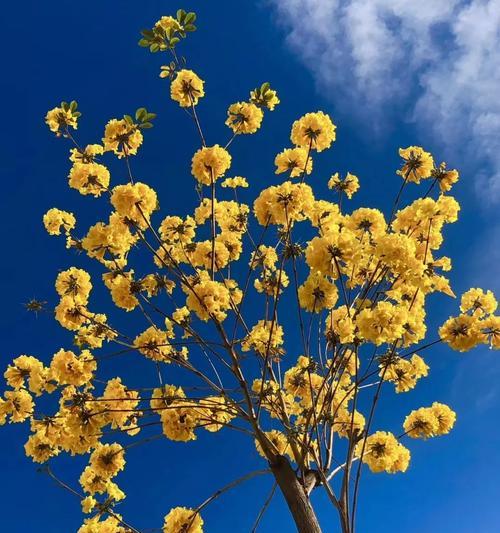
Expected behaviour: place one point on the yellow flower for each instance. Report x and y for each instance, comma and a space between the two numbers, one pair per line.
179, 420
314, 130
70, 313
422, 423
183, 520
167, 23
74, 282
26, 368
403, 373
446, 417
237, 181
461, 333
154, 344
284, 204
418, 164
340, 326
135, 202
384, 453
293, 160
109, 243
277, 441
366, 220
39, 449
55, 219
88, 504
478, 302
214, 412
349, 185
87, 155
490, 330
301, 380
210, 163
60, 119
347, 422
176, 229
122, 138
243, 117
210, 299
89, 178
445, 178
317, 293
264, 96
107, 460
263, 340
384, 323
186, 88
123, 289
17, 404
69, 369
264, 257
119, 402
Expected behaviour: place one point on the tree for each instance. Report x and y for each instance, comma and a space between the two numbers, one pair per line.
355, 292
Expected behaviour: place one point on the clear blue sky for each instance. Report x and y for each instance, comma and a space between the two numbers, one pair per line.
68, 50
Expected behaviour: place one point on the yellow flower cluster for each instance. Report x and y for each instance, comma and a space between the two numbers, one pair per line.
349, 185
296, 161
418, 164
317, 293
266, 337
244, 117
383, 452
134, 203
233, 183
89, 178
432, 421
313, 131
402, 372
122, 138
187, 88
476, 325
54, 220
210, 163
211, 299
369, 274
284, 204
110, 243
60, 119
183, 520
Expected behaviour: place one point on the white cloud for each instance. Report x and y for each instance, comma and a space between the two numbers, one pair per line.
435, 61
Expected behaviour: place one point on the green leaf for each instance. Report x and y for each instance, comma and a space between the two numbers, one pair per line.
150, 116
180, 14
190, 27
143, 42
140, 114
128, 118
73, 105
145, 125
190, 17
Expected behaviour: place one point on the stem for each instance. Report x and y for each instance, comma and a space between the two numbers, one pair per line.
296, 498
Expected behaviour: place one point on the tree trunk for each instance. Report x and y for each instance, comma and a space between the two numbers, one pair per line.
295, 496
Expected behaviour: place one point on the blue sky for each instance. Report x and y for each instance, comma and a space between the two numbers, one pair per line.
61, 51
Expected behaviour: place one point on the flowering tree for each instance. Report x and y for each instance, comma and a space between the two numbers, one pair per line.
360, 284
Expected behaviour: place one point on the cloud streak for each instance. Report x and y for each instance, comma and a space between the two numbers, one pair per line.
436, 62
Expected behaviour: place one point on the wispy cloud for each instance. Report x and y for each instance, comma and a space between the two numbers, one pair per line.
437, 62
